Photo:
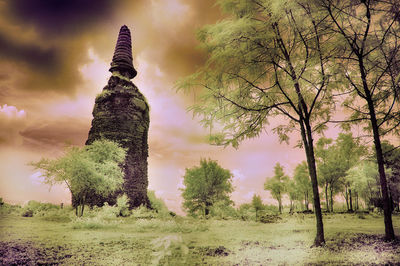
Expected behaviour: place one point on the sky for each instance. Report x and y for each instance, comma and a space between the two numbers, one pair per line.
54, 60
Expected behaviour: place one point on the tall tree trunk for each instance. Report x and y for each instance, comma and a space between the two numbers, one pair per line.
389, 232
347, 199
291, 206
306, 134
326, 197
331, 194
306, 200
350, 201
356, 195
280, 205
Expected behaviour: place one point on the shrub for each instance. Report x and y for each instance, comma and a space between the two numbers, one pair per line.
221, 210
10, 209
61, 215
158, 205
27, 213
39, 208
1, 202
268, 218
94, 223
246, 212
123, 206
107, 212
143, 213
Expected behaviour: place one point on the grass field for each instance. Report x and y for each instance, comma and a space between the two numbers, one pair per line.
351, 239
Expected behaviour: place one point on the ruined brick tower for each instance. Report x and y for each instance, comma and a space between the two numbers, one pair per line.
121, 114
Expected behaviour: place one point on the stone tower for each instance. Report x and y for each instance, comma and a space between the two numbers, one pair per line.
121, 114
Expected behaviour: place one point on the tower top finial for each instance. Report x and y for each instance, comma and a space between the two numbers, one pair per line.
122, 59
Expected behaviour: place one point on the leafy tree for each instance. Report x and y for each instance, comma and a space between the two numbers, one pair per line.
303, 182
368, 43
93, 167
293, 193
206, 185
362, 179
257, 204
334, 160
324, 163
267, 58
349, 152
391, 156
277, 184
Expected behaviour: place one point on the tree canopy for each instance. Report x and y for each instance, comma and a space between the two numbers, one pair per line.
366, 35
303, 182
94, 167
277, 184
205, 185
266, 59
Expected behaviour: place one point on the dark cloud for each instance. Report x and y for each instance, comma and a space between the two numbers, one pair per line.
55, 133
43, 43
178, 45
32, 54
55, 17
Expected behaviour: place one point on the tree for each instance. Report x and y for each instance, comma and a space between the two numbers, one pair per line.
303, 183
257, 204
293, 193
277, 184
334, 160
362, 178
94, 167
369, 52
324, 162
267, 59
391, 156
206, 185
349, 154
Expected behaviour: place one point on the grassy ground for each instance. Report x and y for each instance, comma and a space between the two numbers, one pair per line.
351, 239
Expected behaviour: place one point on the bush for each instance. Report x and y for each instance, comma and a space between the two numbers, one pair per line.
268, 218
62, 215
158, 205
123, 206
39, 208
221, 210
93, 223
246, 212
143, 213
1, 202
27, 213
105, 213
10, 209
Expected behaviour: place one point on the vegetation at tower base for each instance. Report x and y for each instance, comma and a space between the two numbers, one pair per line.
93, 168
121, 114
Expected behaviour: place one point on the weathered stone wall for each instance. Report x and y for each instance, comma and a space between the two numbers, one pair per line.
121, 114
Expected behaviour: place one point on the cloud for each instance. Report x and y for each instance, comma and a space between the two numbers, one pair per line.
62, 17
44, 43
12, 122
53, 134
32, 54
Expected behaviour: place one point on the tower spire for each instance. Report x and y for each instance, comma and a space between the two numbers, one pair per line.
122, 59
